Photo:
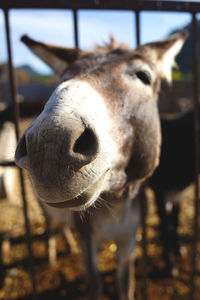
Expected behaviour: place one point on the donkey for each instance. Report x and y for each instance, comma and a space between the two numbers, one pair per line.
175, 173
96, 141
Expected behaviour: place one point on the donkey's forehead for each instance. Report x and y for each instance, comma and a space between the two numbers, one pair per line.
111, 59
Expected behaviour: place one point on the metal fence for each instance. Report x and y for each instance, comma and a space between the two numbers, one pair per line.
136, 6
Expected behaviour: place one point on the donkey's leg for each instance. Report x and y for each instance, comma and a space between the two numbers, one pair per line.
70, 239
173, 226
164, 230
92, 275
89, 252
125, 267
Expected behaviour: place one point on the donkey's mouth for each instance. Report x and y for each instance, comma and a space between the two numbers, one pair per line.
83, 200
75, 202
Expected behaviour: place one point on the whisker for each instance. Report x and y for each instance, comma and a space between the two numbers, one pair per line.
112, 209
81, 215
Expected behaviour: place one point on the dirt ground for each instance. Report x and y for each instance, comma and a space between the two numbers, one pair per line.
59, 272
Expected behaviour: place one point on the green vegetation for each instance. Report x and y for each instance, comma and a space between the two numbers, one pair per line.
187, 75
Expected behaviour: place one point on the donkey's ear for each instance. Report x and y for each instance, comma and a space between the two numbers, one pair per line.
165, 52
58, 58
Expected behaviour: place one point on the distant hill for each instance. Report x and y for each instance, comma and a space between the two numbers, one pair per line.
26, 68
26, 74
29, 70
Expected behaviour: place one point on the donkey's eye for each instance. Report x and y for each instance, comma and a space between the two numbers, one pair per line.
144, 76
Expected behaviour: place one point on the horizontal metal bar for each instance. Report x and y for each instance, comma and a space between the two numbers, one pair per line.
38, 262
148, 5
7, 164
21, 239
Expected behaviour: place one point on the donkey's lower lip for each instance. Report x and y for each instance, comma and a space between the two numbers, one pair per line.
84, 199
75, 202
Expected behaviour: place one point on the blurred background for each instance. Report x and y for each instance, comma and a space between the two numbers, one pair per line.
95, 26
35, 79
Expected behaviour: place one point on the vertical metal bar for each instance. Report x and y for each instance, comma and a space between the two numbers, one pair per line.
16, 120
143, 210
48, 226
143, 200
75, 17
196, 143
15, 106
137, 15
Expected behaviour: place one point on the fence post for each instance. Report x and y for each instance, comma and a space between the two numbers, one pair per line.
16, 121
196, 142
143, 199
75, 17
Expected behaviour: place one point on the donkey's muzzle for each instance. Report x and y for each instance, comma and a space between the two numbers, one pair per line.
75, 145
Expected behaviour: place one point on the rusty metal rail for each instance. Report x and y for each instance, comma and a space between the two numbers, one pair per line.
137, 7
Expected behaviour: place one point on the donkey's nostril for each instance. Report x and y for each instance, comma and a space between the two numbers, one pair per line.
21, 150
86, 144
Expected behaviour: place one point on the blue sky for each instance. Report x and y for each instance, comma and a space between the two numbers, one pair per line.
56, 26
